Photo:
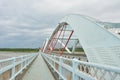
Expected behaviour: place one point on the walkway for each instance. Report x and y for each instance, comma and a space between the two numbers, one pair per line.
38, 71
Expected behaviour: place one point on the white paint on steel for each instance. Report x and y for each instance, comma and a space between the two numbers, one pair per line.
86, 70
46, 42
100, 45
23, 62
74, 45
66, 48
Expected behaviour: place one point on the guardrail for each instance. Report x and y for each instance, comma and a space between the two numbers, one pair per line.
74, 69
15, 65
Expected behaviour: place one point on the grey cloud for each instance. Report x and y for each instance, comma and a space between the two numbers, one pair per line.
26, 23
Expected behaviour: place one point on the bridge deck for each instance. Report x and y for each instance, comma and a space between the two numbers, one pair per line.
38, 71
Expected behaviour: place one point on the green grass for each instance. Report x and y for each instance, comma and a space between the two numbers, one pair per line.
20, 49
77, 49
33, 49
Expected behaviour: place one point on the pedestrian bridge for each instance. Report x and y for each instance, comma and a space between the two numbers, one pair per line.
67, 69
101, 60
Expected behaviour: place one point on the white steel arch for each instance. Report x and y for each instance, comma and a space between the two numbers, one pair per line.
100, 45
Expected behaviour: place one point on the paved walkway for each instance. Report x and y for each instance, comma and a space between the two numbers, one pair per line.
38, 71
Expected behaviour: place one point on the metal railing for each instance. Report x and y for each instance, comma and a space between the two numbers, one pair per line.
74, 69
15, 65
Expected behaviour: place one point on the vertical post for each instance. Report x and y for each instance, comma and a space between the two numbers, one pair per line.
54, 60
43, 46
13, 68
75, 67
31, 58
21, 66
25, 62
46, 42
74, 46
60, 67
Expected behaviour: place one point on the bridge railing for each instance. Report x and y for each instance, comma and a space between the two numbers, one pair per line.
11, 67
74, 69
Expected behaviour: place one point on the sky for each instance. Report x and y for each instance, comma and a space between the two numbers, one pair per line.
27, 23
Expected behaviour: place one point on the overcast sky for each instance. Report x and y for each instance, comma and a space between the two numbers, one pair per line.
26, 23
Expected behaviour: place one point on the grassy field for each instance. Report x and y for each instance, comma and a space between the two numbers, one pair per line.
33, 49
77, 49
20, 49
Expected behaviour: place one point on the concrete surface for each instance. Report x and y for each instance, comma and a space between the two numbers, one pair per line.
38, 71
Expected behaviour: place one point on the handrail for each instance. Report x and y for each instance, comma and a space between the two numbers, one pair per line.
12, 63
81, 70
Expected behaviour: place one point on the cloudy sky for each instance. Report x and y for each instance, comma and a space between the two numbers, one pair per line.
26, 23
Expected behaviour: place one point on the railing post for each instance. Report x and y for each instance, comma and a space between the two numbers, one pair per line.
25, 62
13, 68
54, 60
21, 66
31, 59
60, 67
75, 67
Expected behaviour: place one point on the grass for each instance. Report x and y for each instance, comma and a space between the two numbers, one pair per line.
33, 49
77, 49
20, 49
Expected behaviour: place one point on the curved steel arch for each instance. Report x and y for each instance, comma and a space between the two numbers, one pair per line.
100, 45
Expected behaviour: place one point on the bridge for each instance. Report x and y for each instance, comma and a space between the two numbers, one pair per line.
61, 57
